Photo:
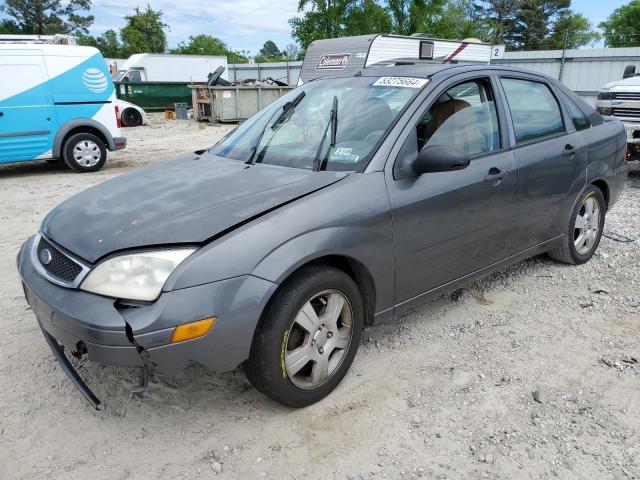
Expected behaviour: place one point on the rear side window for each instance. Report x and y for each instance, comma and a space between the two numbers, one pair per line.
534, 109
579, 119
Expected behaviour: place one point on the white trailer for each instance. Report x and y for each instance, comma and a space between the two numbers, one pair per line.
350, 54
149, 67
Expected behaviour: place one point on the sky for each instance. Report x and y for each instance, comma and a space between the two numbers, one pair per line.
247, 24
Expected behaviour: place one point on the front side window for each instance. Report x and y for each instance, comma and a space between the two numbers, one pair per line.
300, 135
464, 117
534, 110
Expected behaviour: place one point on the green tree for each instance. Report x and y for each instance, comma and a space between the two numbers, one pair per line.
571, 30
457, 21
496, 20
46, 17
367, 17
622, 28
10, 27
534, 21
321, 19
107, 43
144, 32
270, 50
415, 16
202, 45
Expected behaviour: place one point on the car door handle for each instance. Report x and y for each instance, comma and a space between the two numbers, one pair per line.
495, 175
569, 150
1, 114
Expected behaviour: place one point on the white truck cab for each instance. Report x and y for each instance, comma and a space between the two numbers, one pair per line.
621, 99
57, 102
150, 67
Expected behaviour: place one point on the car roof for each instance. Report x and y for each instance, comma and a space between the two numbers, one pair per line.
428, 70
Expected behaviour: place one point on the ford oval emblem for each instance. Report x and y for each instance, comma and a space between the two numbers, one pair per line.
45, 256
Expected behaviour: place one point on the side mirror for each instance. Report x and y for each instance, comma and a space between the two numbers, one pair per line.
440, 158
629, 72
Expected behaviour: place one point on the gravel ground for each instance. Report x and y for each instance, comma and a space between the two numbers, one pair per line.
530, 373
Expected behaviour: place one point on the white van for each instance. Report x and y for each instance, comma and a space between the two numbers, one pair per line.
57, 102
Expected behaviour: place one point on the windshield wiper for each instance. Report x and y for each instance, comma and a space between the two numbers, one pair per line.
287, 106
333, 124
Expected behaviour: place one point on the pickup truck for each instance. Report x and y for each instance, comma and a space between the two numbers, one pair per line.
621, 99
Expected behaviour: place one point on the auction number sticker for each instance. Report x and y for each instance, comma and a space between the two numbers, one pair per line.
406, 82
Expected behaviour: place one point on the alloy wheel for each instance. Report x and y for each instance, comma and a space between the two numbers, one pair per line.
318, 339
587, 226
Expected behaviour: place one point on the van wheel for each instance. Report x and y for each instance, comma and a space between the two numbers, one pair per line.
84, 152
131, 118
308, 337
585, 229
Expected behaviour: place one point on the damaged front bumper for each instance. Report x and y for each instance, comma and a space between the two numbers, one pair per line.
107, 332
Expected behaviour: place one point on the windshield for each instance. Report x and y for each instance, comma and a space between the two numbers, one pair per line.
366, 108
118, 75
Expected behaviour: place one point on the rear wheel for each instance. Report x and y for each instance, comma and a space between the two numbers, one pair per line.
84, 152
585, 229
131, 117
308, 338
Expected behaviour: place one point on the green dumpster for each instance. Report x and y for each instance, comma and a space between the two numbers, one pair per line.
154, 95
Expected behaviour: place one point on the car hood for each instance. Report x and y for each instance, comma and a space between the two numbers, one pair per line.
628, 84
188, 200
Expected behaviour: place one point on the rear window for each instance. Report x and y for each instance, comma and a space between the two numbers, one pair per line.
534, 110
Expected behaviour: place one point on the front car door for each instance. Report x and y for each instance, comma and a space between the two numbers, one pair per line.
26, 110
447, 225
551, 156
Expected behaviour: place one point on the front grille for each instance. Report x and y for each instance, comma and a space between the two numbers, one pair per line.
632, 96
60, 266
626, 112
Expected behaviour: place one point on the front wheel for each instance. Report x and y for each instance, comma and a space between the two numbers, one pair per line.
84, 152
585, 229
308, 337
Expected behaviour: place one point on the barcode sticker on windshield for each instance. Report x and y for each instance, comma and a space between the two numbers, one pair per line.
406, 82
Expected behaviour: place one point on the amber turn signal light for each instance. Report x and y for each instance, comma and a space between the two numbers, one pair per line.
189, 331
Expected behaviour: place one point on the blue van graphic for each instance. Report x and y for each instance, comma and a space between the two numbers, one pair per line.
57, 102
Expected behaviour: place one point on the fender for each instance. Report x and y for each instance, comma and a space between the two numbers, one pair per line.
368, 248
75, 123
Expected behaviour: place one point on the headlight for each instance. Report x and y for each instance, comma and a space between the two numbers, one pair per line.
136, 276
605, 96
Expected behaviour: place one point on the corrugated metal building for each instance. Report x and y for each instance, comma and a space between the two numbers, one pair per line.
284, 71
583, 71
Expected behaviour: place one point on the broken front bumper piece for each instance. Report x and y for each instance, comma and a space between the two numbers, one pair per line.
83, 323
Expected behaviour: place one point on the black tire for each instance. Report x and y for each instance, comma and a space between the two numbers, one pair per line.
568, 253
88, 139
265, 367
131, 117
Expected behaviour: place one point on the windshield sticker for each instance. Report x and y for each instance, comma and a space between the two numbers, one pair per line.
344, 155
405, 82
336, 61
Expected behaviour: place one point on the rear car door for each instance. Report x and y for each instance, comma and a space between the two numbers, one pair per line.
551, 156
449, 224
26, 110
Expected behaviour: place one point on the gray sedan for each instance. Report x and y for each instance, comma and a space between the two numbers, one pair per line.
345, 203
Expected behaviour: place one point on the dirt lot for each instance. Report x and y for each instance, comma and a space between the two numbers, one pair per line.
447, 393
